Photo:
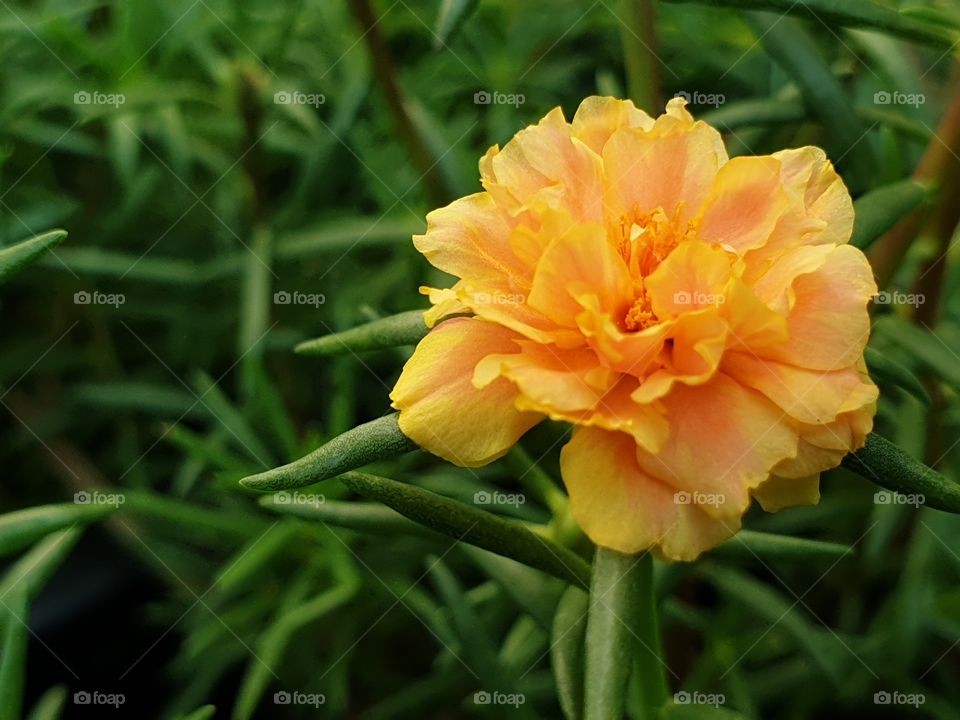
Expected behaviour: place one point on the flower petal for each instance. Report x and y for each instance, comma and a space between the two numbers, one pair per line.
778, 492
598, 118
724, 441
620, 506
442, 411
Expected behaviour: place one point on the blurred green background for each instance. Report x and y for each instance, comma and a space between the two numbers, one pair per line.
237, 177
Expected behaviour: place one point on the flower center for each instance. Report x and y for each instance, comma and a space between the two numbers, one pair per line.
646, 238
640, 315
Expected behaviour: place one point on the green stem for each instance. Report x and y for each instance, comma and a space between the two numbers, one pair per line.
648, 663
622, 634
638, 33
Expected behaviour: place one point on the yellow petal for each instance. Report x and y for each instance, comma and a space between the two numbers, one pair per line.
778, 492
442, 411
598, 118
724, 441
619, 506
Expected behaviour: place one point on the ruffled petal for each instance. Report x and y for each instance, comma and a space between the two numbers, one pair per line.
778, 492
598, 118
442, 411
672, 165
724, 441
620, 506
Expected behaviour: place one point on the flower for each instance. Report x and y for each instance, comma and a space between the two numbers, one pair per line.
700, 321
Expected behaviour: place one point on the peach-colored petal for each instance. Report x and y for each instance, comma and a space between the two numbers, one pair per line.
811, 177
691, 278
724, 441
672, 165
620, 506
811, 396
598, 118
469, 238
443, 412
744, 205
545, 164
828, 324
581, 260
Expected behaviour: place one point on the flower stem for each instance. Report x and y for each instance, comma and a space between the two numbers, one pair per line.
622, 634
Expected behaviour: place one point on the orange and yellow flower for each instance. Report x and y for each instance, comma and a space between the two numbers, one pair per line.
700, 320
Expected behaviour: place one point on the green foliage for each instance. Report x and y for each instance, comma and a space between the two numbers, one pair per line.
239, 293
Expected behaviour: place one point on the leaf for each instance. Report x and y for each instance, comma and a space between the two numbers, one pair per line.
885, 464
675, 711
274, 641
13, 664
848, 13
772, 607
21, 528
404, 329
789, 44
566, 650
476, 527
885, 368
50, 705
205, 713
371, 518
34, 568
752, 545
376, 440
222, 409
16, 257
924, 345
614, 605
879, 210
451, 16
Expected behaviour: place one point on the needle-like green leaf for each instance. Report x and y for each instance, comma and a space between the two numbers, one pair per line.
376, 440
24, 527
16, 257
884, 463
406, 328
879, 210
470, 525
